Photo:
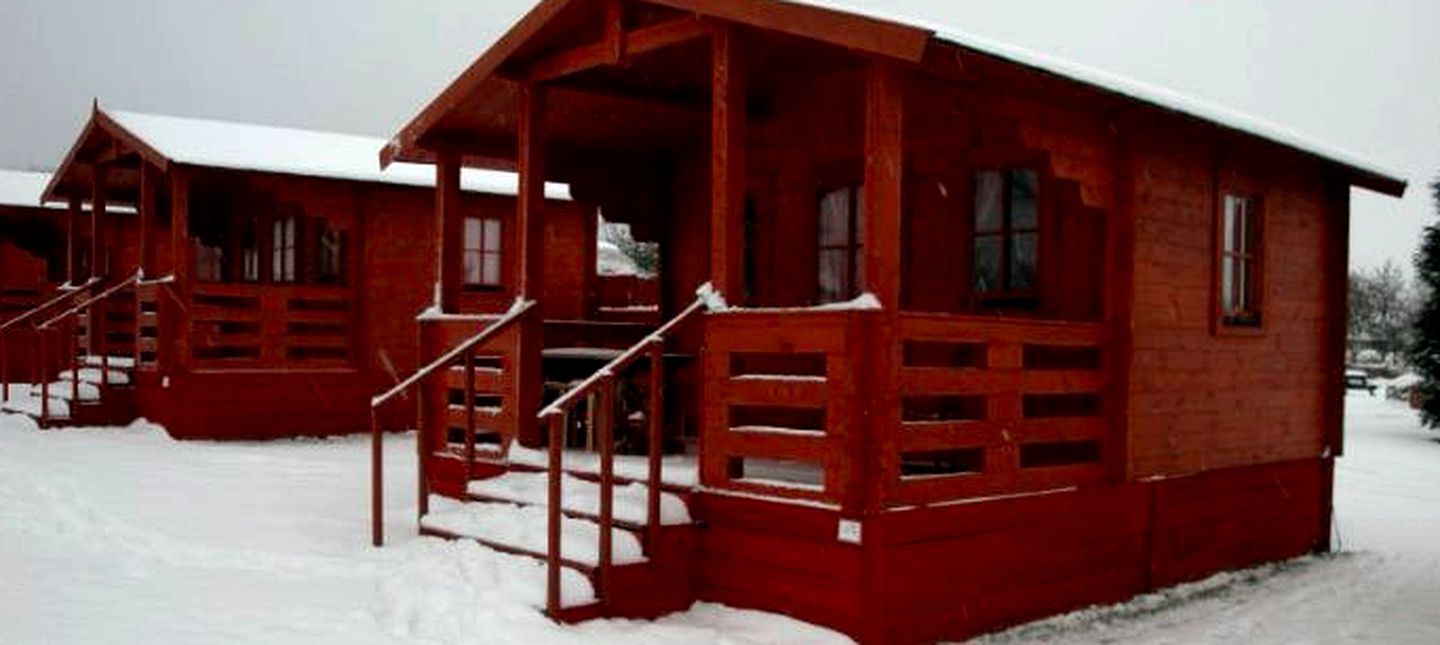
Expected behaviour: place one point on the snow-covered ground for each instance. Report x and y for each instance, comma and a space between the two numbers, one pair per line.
124, 536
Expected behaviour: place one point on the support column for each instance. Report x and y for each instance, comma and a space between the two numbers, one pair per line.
72, 241
148, 229
884, 177
180, 226
530, 205
450, 233
98, 266
727, 164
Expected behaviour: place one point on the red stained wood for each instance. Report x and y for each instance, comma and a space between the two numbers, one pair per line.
727, 164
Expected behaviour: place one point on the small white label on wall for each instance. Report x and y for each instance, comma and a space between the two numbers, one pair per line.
849, 531
165, 382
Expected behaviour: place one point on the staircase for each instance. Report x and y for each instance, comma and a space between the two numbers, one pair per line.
613, 544
95, 342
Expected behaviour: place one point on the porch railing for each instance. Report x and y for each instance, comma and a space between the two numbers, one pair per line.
26, 324
782, 402
599, 391
259, 326
462, 356
999, 406
61, 330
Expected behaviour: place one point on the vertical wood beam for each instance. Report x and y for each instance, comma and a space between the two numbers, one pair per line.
72, 240
98, 266
727, 163
530, 205
615, 31
449, 232
181, 264
884, 176
149, 186
531, 200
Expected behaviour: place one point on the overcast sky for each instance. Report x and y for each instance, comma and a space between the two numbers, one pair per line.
1361, 75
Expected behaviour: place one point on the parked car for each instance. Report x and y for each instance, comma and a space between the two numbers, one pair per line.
1358, 380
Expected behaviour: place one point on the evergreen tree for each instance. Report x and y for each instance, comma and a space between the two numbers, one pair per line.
1426, 352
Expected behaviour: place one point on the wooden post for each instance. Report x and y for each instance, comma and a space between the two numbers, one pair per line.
875, 464
98, 266
530, 205
553, 493
181, 264
727, 163
377, 481
72, 241
148, 230
450, 232
605, 422
1120, 302
656, 422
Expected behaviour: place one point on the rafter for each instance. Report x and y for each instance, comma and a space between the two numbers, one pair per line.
617, 45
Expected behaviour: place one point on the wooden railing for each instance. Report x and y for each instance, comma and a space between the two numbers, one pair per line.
783, 402
463, 356
62, 328
994, 406
599, 391
156, 308
258, 326
26, 324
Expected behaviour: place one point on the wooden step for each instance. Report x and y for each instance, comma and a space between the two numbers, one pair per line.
581, 498
523, 530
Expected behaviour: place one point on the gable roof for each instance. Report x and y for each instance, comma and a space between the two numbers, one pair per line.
162, 140
877, 32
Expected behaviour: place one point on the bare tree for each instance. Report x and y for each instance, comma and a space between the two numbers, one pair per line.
1382, 307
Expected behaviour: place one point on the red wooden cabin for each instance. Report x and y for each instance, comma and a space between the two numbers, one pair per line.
32, 262
265, 282
987, 336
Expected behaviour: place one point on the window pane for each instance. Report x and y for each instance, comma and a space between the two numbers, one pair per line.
492, 236
987, 264
472, 267
1242, 286
473, 237
834, 275
1227, 285
835, 218
1024, 192
490, 269
989, 201
1022, 260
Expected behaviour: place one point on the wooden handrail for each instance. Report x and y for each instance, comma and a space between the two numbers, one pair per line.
475, 341
377, 452
128, 282
64, 295
600, 385
619, 363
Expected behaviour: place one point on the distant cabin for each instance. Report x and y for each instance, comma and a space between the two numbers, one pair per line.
951, 335
244, 281
32, 262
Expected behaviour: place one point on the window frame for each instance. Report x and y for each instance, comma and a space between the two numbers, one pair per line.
1251, 320
481, 252
1006, 296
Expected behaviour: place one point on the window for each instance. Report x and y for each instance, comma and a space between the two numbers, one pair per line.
329, 254
841, 243
282, 255
482, 252
250, 251
1006, 233
1239, 275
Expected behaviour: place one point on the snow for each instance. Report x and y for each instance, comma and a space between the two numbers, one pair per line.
583, 496
526, 527
243, 146
611, 261
713, 299
1158, 96
676, 470
120, 535
582, 353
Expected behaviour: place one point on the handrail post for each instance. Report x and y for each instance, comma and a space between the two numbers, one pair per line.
553, 552
605, 422
4, 371
75, 365
377, 481
656, 422
422, 456
469, 413
44, 382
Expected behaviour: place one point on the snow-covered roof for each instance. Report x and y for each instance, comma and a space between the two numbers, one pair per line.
22, 188
1158, 96
262, 148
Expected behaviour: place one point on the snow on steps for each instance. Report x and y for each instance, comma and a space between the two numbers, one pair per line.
120, 362
579, 496
524, 528
92, 375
